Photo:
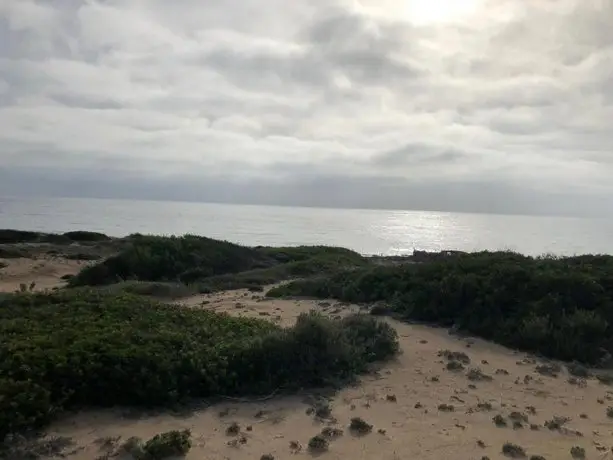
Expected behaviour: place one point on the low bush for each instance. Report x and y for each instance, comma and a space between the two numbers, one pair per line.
9, 236
214, 264
559, 307
65, 349
84, 236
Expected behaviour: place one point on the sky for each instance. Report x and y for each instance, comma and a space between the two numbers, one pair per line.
501, 106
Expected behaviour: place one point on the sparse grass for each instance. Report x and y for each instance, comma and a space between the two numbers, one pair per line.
485, 406
458, 356
233, 429
332, 432
513, 450
549, 369
477, 375
518, 416
556, 423
16, 447
67, 348
454, 366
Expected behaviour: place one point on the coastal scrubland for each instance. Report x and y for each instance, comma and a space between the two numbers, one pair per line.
559, 307
108, 330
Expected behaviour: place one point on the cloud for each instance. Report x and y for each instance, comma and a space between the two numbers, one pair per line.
335, 102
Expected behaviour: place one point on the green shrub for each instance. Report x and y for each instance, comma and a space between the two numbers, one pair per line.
168, 445
559, 307
84, 236
213, 264
65, 349
8, 236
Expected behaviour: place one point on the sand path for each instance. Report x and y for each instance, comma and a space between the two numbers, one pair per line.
401, 401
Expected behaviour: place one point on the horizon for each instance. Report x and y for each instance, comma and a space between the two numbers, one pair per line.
320, 207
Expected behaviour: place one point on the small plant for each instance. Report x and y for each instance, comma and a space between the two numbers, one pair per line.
233, 429
610, 412
359, 426
454, 366
446, 408
166, 445
549, 369
499, 421
391, 398
537, 457
556, 423
484, 406
518, 416
295, 446
267, 457
513, 450
477, 375
501, 372
459, 356
318, 444
577, 452
331, 432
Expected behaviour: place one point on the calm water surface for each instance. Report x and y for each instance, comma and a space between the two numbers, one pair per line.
366, 231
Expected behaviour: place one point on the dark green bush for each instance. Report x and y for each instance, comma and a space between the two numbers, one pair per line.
213, 264
84, 236
8, 236
65, 349
187, 259
560, 307
171, 444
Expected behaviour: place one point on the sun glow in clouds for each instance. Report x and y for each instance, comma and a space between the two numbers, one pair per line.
437, 11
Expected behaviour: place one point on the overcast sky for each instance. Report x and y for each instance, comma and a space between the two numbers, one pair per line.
467, 105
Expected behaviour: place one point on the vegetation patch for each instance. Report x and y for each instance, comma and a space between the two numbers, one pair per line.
81, 236
513, 450
318, 444
359, 426
561, 307
213, 265
63, 350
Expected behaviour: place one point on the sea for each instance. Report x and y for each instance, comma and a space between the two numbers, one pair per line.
371, 232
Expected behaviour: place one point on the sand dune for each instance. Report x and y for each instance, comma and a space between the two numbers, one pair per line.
418, 408
44, 271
